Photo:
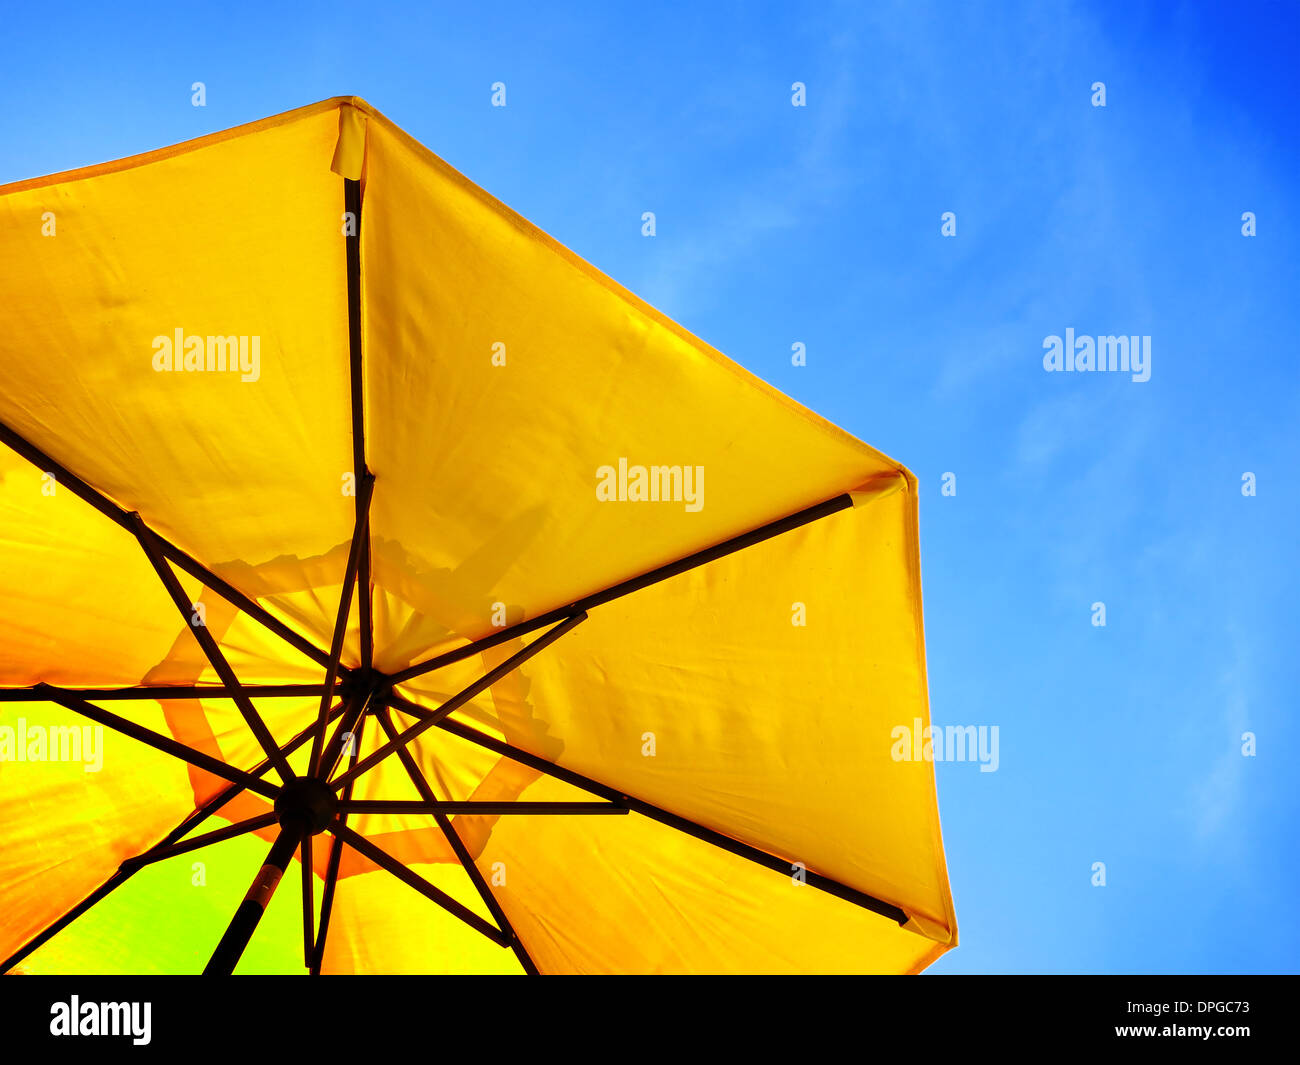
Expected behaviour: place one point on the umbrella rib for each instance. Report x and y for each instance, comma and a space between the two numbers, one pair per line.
364, 493
461, 698
218, 835
162, 691
213, 652
332, 872
357, 708
188, 563
308, 901
356, 389
386, 861
634, 584
165, 743
656, 813
121, 875
449, 831
479, 808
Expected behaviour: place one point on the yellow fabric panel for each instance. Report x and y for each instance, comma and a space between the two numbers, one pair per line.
627, 894
82, 605
227, 237
382, 926
777, 734
487, 473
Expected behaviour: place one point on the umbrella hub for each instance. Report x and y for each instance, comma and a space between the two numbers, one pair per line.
365, 683
307, 802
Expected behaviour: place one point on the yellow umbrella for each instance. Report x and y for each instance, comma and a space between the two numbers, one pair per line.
345, 511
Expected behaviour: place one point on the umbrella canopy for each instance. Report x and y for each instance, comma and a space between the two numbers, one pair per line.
347, 514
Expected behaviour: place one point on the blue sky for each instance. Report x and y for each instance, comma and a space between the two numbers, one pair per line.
821, 224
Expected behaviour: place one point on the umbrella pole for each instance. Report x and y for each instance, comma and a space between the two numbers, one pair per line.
228, 952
